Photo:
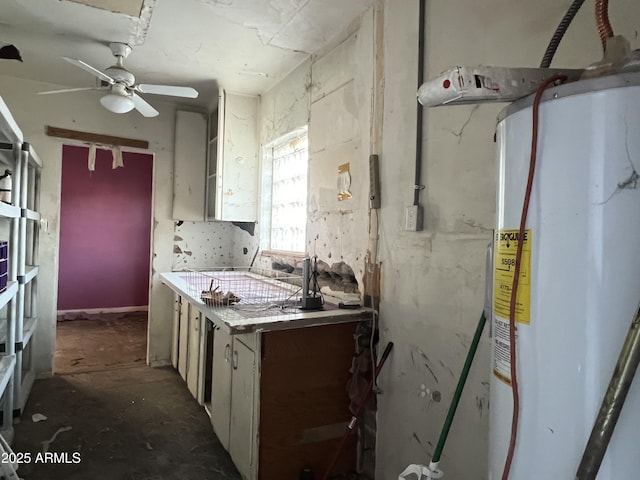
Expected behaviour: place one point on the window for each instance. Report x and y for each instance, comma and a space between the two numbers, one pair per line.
284, 208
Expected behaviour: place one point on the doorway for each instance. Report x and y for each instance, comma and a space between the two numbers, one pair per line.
105, 249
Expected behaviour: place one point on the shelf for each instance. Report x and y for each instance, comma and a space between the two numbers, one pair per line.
11, 133
16, 154
31, 272
33, 215
30, 325
7, 156
9, 211
9, 293
34, 159
7, 363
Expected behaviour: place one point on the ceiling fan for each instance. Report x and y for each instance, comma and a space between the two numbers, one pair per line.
119, 83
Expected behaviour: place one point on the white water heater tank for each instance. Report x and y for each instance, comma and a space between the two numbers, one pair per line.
580, 284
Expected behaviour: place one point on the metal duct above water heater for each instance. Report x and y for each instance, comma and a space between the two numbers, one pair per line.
580, 282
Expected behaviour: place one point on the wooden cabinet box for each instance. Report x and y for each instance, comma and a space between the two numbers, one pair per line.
275, 385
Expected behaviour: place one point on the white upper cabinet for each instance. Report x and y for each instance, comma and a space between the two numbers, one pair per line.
190, 156
232, 171
227, 156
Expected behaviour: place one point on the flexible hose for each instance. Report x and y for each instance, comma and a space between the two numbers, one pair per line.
602, 21
516, 274
559, 33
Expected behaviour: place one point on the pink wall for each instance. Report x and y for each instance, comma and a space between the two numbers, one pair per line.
105, 230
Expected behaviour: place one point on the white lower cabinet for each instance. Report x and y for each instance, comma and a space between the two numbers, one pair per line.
183, 339
193, 352
277, 399
241, 430
233, 399
175, 331
221, 386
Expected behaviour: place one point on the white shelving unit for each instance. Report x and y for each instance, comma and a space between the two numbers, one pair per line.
20, 224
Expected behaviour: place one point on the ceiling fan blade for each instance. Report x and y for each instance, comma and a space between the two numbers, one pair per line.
143, 107
67, 90
186, 92
88, 68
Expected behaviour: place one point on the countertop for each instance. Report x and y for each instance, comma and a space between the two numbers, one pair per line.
238, 319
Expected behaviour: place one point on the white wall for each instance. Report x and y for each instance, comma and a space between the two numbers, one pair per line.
433, 284
82, 111
285, 107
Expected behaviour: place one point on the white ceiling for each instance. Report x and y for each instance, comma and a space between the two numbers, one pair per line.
242, 45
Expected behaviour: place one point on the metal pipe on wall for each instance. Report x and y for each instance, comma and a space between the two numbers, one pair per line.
417, 187
612, 403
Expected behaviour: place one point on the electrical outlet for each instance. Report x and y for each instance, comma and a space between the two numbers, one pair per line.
413, 218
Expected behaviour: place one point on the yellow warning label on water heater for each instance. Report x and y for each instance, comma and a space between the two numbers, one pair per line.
505, 247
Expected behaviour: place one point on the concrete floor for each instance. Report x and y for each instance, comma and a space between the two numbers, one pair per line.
124, 420
136, 423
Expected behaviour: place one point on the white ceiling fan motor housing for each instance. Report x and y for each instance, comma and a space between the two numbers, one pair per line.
121, 75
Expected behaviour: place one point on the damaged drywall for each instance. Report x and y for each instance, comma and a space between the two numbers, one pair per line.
298, 25
339, 133
336, 279
203, 245
331, 94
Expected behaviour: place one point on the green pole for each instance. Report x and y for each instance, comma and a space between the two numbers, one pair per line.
458, 393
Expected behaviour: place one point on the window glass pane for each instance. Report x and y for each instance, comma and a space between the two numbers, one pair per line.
289, 195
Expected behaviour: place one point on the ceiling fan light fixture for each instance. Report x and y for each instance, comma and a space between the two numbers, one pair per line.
117, 103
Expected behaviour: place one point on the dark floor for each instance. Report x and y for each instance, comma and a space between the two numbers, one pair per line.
127, 421
136, 423
110, 341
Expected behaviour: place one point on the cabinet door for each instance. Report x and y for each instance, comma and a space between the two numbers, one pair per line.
193, 355
203, 363
212, 163
221, 386
237, 158
175, 331
183, 339
190, 160
242, 409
